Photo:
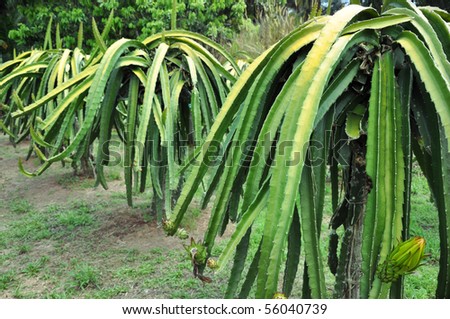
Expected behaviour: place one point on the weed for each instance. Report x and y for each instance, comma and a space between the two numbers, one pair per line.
131, 254
20, 206
118, 195
6, 278
53, 208
156, 251
34, 227
72, 219
143, 269
33, 268
114, 174
23, 249
191, 218
84, 276
82, 206
4, 238
18, 294
68, 180
422, 283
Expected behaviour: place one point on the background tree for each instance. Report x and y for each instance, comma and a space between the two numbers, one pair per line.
9, 20
136, 19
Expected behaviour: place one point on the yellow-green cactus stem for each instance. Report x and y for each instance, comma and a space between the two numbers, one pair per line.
403, 259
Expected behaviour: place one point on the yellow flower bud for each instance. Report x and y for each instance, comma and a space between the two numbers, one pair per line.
279, 295
212, 263
403, 259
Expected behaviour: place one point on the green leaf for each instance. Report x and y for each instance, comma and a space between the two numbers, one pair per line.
54, 93
430, 37
58, 37
244, 225
48, 35
220, 126
386, 168
251, 112
238, 265
80, 36
182, 35
38, 138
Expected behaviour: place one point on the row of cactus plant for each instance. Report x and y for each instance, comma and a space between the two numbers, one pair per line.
159, 95
355, 95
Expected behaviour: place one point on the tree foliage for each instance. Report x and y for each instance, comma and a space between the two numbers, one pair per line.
135, 19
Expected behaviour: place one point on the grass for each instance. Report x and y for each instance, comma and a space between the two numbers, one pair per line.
53, 252
84, 276
34, 267
178, 281
6, 279
20, 206
76, 182
38, 225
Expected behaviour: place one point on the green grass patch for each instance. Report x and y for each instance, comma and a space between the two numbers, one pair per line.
32, 227
54, 221
20, 206
84, 276
6, 279
35, 267
72, 219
